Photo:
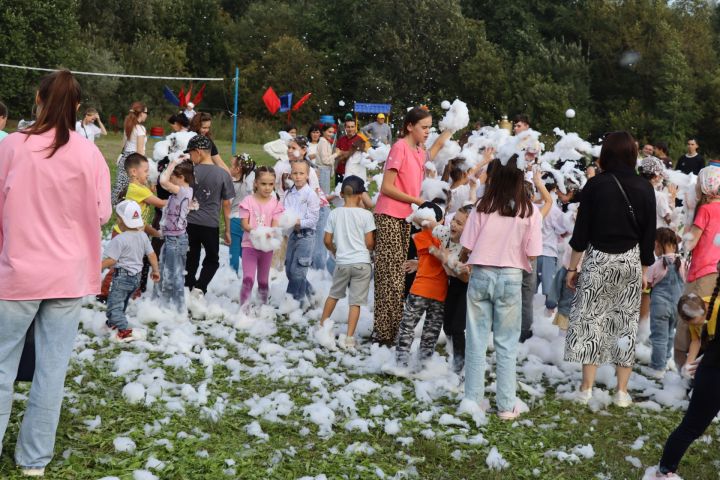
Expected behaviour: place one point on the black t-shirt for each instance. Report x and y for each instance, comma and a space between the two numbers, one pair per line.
604, 220
213, 149
690, 165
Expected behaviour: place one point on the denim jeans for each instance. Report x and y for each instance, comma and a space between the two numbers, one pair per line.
236, 236
493, 303
297, 262
320, 254
528, 291
324, 175
56, 323
122, 288
171, 288
546, 268
663, 317
560, 295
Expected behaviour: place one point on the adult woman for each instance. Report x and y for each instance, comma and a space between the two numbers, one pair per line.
615, 228
50, 258
313, 136
201, 124
134, 137
400, 189
90, 127
325, 156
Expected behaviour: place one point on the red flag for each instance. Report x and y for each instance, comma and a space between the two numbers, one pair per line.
299, 103
272, 101
199, 95
187, 95
181, 97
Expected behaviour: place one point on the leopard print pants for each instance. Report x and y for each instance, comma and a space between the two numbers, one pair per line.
391, 248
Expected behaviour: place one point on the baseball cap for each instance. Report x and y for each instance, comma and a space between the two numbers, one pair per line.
355, 183
198, 142
130, 213
381, 115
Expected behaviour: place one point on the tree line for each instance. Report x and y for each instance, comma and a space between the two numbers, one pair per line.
648, 66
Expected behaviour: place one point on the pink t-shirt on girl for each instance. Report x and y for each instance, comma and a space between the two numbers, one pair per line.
706, 254
259, 214
409, 163
497, 241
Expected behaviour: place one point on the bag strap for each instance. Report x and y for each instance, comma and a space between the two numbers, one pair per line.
629, 205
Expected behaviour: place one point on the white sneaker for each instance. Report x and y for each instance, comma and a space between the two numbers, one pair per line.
583, 396
656, 374
622, 399
348, 344
33, 472
197, 293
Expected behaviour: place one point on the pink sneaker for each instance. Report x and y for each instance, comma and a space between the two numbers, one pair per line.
510, 415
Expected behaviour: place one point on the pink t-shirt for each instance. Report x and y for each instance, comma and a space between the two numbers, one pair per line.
706, 254
51, 210
497, 241
409, 163
259, 214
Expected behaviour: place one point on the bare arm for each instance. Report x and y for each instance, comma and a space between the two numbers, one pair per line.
155, 275
366, 201
165, 178
219, 162
155, 201
546, 197
370, 240
107, 263
693, 351
101, 126
388, 188
439, 143
328, 241
692, 242
150, 230
227, 207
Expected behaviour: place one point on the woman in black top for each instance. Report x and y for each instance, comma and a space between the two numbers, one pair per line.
615, 228
705, 400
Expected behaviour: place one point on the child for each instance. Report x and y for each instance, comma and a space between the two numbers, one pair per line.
666, 278
553, 228
243, 177
427, 296
213, 191
176, 179
694, 311
354, 165
463, 186
456, 300
503, 234
261, 209
137, 169
349, 236
125, 253
303, 202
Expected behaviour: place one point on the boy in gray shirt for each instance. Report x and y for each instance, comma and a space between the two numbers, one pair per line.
349, 236
125, 254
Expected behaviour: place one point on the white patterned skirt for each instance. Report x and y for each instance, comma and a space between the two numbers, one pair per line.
606, 309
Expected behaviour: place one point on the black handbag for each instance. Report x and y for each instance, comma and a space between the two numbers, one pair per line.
26, 369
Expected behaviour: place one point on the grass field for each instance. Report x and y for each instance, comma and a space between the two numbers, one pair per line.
211, 407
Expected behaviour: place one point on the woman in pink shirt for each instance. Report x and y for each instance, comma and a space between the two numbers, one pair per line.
400, 188
54, 196
502, 235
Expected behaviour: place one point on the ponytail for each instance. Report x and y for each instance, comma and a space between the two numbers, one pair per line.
59, 96
131, 120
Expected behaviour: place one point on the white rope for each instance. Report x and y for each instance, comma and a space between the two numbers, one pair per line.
22, 67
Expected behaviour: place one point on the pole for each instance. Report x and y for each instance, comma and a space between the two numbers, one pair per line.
235, 112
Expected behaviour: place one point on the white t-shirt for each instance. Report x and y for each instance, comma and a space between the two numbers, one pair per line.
355, 167
131, 143
89, 131
349, 226
662, 208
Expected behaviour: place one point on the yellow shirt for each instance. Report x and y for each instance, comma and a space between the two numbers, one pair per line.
138, 193
696, 330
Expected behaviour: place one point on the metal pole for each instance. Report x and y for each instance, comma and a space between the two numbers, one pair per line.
235, 112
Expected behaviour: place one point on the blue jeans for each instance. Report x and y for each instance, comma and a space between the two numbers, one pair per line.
560, 295
122, 288
324, 175
493, 303
663, 317
236, 235
546, 268
320, 254
171, 288
297, 262
56, 323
